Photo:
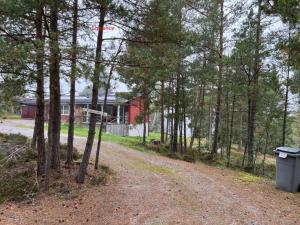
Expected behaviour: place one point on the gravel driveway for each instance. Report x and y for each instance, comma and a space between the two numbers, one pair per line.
151, 189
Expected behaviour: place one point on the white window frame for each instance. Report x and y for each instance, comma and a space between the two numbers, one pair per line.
65, 109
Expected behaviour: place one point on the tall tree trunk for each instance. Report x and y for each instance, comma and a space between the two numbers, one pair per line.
253, 92
145, 118
72, 85
55, 88
53, 160
96, 82
180, 135
162, 113
241, 133
176, 116
168, 123
172, 115
195, 116
201, 115
219, 88
183, 114
209, 123
33, 140
231, 132
184, 130
286, 100
227, 129
39, 143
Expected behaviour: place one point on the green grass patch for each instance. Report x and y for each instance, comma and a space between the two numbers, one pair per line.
23, 126
248, 178
131, 142
153, 168
11, 116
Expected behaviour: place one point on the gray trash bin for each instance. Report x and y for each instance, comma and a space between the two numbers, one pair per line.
288, 169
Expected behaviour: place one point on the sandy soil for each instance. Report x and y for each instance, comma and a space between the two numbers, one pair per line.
150, 189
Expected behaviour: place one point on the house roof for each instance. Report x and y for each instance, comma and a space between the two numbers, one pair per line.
112, 99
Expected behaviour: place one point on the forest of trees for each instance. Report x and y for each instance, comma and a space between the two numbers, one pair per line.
227, 70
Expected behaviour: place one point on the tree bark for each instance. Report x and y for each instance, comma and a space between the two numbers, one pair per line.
231, 132
253, 92
209, 123
201, 114
33, 140
176, 116
145, 116
72, 85
168, 122
39, 141
96, 82
172, 115
162, 113
219, 88
286, 99
53, 160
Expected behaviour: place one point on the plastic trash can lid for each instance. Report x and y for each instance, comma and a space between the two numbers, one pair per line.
290, 151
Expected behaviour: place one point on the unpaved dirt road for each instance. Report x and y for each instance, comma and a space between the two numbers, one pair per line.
153, 190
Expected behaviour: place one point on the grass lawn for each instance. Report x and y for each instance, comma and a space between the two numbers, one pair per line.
11, 117
132, 142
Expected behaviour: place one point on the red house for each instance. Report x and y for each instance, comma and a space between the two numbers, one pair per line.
120, 114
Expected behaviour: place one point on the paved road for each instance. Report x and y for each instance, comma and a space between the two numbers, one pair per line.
151, 189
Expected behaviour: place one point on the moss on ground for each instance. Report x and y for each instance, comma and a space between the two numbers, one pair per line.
248, 178
153, 168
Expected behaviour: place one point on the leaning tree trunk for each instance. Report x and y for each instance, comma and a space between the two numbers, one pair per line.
53, 160
39, 141
102, 121
104, 107
72, 85
96, 82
